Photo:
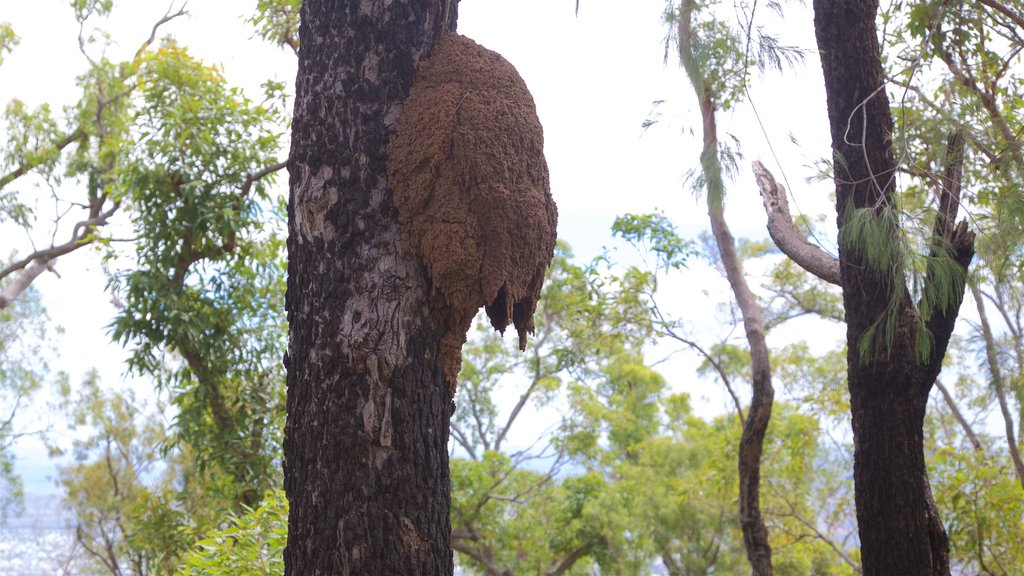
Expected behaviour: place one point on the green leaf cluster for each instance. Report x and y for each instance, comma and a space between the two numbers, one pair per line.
23, 371
251, 543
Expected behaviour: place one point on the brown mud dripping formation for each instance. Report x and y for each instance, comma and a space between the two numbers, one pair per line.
471, 189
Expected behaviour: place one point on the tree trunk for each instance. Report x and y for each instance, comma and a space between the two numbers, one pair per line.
900, 530
755, 426
365, 449
755, 532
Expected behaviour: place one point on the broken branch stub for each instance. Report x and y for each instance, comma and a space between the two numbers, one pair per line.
471, 189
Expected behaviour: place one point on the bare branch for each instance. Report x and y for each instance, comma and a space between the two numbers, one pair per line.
785, 234
964, 424
167, 17
952, 182
824, 538
460, 543
259, 175
1005, 11
463, 441
997, 382
987, 98
671, 333
35, 263
537, 377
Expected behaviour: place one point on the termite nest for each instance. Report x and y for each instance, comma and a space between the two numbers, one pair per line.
471, 188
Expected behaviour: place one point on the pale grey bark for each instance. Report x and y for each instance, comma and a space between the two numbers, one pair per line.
998, 384
784, 232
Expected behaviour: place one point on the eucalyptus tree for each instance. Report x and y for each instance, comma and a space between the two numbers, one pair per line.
161, 144
717, 64
365, 447
899, 317
968, 57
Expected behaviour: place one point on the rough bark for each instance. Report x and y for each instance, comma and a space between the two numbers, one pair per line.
366, 464
900, 531
755, 532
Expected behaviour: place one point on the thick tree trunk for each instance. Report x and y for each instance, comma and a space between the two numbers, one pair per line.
366, 463
900, 530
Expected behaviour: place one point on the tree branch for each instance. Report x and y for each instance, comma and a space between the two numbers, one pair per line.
964, 424
58, 146
785, 234
35, 263
567, 563
167, 17
988, 102
952, 182
949, 240
1005, 11
460, 543
817, 534
460, 437
259, 175
537, 377
998, 384
671, 333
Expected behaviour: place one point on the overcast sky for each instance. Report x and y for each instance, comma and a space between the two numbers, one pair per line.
596, 77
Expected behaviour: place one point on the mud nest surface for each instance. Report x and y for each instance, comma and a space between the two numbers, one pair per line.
471, 188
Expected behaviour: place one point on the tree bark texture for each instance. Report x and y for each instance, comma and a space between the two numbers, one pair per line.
365, 449
900, 531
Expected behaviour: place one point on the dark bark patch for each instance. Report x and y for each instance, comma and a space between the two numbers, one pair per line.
471, 188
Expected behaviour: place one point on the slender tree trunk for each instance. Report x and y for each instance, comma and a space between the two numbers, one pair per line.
998, 384
755, 532
900, 531
365, 457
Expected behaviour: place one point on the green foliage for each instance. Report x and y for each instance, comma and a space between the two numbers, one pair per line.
502, 517
980, 498
87, 8
189, 160
209, 271
8, 40
23, 368
655, 233
796, 293
277, 21
252, 543
117, 505
982, 507
816, 382
877, 238
632, 476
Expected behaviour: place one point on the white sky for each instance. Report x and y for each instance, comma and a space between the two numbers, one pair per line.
594, 78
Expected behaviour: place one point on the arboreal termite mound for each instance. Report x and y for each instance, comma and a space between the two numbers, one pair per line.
471, 188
